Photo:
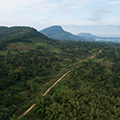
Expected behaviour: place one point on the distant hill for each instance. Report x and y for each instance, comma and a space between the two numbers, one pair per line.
87, 35
57, 32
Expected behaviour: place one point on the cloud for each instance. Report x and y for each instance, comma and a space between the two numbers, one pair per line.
14, 4
74, 4
64, 9
40, 5
114, 2
98, 14
113, 20
43, 5
77, 1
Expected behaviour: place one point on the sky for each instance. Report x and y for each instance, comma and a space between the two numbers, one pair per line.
99, 17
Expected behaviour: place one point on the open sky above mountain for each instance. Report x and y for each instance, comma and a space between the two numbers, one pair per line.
98, 17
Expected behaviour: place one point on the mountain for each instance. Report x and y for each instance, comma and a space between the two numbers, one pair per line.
57, 32
87, 35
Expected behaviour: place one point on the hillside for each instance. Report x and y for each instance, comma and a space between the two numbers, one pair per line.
3, 28
83, 78
57, 32
11, 33
19, 34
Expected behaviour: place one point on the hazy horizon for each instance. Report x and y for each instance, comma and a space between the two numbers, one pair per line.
100, 18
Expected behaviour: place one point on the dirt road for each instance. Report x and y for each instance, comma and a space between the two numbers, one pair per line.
93, 57
100, 51
26, 111
55, 83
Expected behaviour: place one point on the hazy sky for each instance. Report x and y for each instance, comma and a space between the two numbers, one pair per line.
100, 17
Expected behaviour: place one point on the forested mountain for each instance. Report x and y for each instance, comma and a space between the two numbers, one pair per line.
30, 63
11, 33
19, 34
57, 32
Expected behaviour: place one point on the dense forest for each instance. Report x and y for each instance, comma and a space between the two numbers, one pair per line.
31, 62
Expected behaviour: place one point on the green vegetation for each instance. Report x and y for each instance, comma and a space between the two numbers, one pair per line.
30, 63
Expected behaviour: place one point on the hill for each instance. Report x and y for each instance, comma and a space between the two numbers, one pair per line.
87, 35
11, 33
57, 32
18, 34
